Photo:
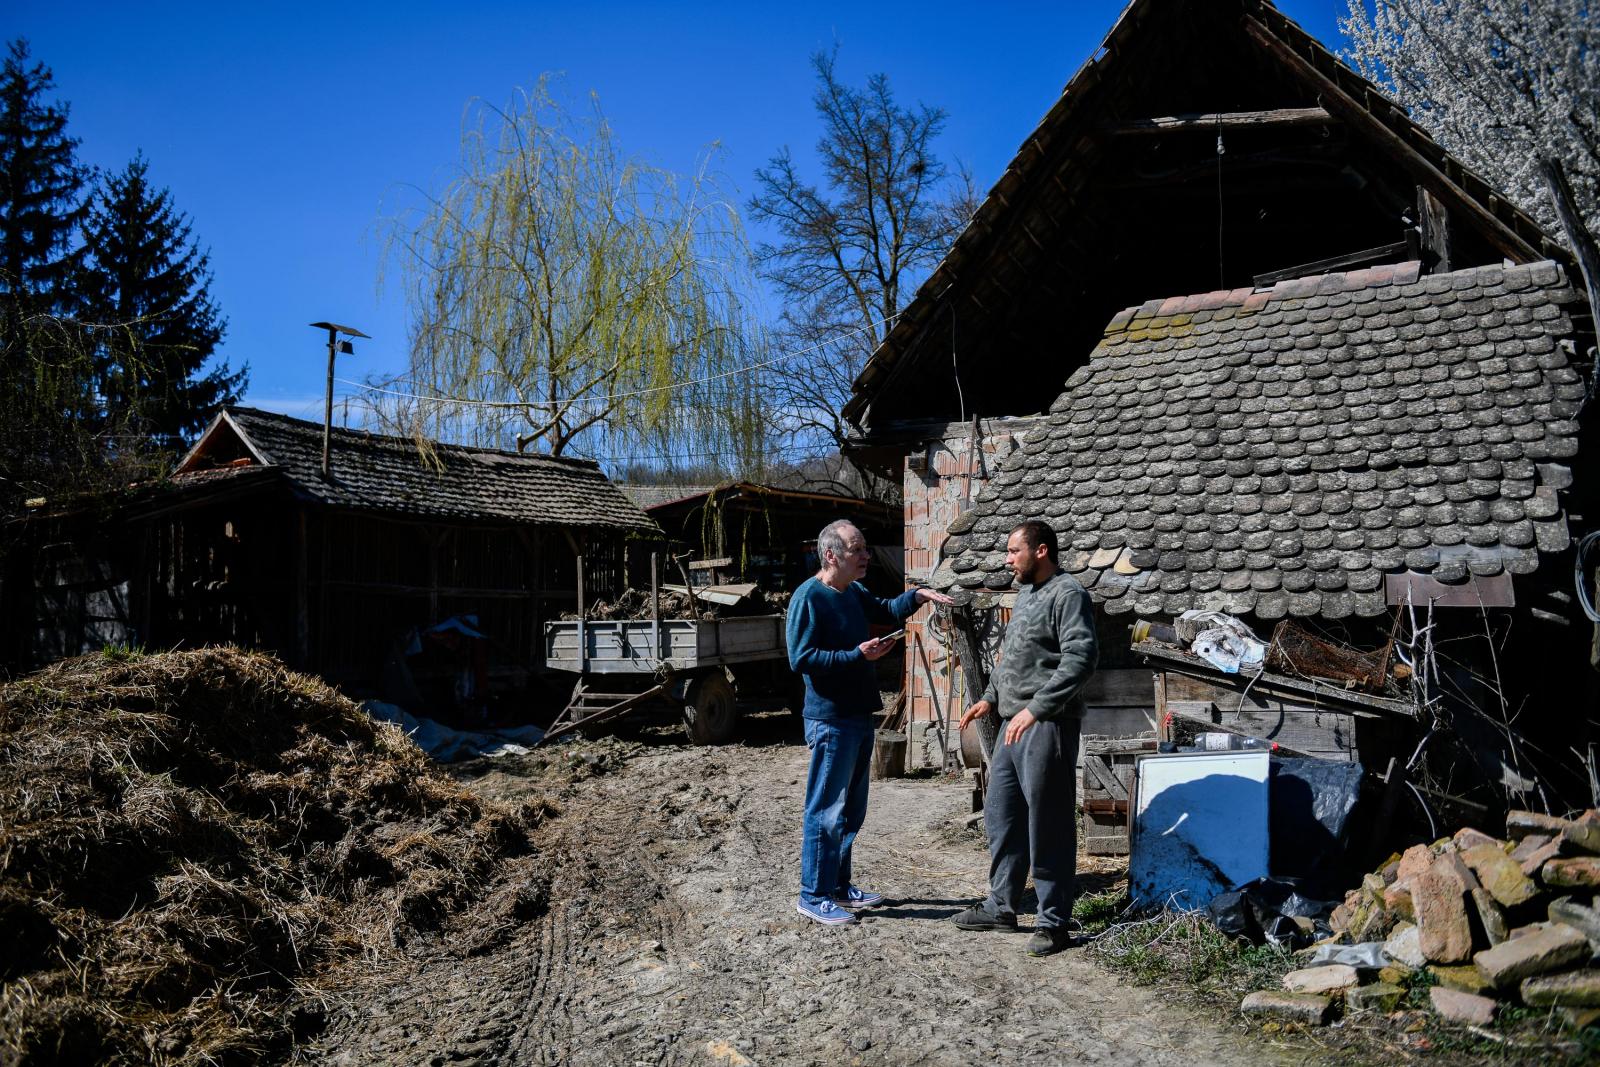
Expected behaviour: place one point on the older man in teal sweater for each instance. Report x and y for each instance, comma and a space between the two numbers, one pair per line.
830, 649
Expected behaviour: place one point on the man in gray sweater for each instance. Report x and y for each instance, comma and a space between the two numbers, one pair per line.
1048, 654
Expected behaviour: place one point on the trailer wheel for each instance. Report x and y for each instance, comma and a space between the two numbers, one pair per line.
711, 713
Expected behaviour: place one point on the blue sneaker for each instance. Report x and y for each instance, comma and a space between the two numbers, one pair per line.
826, 912
855, 899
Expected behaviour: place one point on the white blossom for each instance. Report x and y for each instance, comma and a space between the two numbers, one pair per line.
1498, 83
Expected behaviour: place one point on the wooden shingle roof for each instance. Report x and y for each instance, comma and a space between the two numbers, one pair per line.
1279, 451
375, 472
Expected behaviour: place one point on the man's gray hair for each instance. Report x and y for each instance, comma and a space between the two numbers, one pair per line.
831, 539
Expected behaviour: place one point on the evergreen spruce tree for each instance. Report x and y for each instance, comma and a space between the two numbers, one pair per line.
148, 306
46, 381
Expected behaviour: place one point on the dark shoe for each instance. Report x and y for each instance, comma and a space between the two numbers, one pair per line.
981, 918
1048, 940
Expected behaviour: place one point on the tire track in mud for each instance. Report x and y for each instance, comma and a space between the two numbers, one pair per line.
670, 940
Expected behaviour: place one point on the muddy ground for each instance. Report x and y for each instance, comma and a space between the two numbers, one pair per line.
671, 938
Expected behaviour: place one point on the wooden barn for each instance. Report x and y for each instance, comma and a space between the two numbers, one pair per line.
249, 542
1267, 349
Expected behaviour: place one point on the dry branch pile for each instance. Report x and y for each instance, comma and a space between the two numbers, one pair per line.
634, 605
190, 841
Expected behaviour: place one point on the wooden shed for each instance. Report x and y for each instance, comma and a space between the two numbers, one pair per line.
249, 543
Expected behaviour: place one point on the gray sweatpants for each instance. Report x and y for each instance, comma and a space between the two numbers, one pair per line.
1029, 811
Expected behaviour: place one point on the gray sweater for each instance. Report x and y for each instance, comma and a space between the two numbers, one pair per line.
1048, 654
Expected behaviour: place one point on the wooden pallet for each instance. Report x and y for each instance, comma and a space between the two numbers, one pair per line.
1107, 790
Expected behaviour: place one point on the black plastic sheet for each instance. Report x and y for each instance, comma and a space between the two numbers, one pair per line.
1311, 809
1266, 910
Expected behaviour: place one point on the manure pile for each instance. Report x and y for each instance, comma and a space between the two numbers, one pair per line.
190, 842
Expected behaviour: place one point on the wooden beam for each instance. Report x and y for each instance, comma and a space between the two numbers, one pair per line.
1435, 224
1338, 102
1578, 235
1220, 121
1366, 257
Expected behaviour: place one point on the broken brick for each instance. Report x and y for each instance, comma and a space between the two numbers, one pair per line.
1574, 989
1532, 852
1308, 1008
1462, 1007
1500, 875
1379, 996
1580, 834
1442, 926
1413, 862
1577, 872
1547, 949
1520, 824
1462, 976
1467, 838
1397, 900
1452, 865
1329, 978
1490, 917
1585, 920
1405, 946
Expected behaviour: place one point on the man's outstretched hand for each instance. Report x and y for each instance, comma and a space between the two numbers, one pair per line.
933, 596
977, 711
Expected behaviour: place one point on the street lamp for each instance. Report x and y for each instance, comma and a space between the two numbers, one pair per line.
335, 347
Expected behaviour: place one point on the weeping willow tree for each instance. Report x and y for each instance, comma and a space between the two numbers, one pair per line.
568, 298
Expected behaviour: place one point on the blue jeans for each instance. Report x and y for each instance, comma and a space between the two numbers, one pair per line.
836, 805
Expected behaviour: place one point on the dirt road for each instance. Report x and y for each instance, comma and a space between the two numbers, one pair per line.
670, 937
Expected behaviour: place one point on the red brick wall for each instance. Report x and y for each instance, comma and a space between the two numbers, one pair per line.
940, 481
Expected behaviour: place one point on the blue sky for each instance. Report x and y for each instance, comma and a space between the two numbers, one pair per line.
287, 131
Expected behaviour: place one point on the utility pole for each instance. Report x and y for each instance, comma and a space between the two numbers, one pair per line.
335, 347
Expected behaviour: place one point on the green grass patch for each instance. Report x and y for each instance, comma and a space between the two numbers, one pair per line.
1096, 912
1187, 948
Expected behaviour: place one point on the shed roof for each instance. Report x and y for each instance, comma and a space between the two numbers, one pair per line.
376, 472
652, 496
657, 496
1278, 451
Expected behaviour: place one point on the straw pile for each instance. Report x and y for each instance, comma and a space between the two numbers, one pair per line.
189, 841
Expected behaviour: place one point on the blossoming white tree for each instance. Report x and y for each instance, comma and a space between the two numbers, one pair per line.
1501, 84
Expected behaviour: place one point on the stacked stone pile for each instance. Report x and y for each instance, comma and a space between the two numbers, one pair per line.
1491, 921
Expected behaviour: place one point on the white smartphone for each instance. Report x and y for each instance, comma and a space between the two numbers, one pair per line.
897, 635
